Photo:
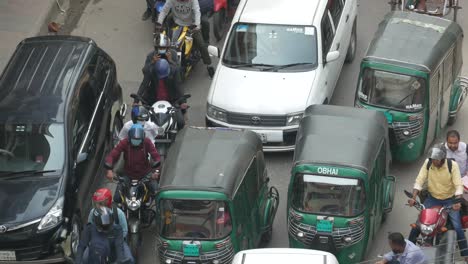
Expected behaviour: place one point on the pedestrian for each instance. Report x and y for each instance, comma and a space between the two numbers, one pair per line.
457, 150
403, 251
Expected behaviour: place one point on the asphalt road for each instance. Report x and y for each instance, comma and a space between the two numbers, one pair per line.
118, 29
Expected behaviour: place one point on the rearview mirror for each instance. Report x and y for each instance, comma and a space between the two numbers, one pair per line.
332, 56
213, 51
81, 157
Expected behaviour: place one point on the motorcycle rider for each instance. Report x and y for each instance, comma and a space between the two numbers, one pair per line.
443, 182
147, 13
103, 198
187, 13
140, 116
136, 148
103, 241
403, 251
159, 83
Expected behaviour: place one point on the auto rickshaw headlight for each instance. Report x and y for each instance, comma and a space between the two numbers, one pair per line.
300, 234
215, 261
406, 132
293, 119
168, 261
347, 239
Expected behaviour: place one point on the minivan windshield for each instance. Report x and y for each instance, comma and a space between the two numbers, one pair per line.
31, 146
293, 48
194, 219
326, 195
392, 90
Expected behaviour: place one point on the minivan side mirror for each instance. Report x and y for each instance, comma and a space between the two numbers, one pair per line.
332, 56
389, 193
213, 51
81, 157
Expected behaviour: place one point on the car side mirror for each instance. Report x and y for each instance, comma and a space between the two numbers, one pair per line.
81, 157
332, 56
213, 51
389, 193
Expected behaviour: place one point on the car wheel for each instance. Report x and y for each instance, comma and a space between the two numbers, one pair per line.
116, 127
351, 53
219, 21
75, 235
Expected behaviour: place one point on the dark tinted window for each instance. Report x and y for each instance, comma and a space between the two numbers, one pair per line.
327, 34
336, 9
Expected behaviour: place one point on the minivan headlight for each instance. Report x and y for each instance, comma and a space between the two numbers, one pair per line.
216, 113
293, 119
53, 217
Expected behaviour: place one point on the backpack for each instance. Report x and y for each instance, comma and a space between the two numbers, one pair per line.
99, 246
449, 164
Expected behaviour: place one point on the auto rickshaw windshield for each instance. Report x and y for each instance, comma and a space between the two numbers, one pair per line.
392, 90
328, 195
194, 219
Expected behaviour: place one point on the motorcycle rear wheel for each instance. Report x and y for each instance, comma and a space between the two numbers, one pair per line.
134, 244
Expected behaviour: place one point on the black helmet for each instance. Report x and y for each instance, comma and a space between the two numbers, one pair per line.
139, 113
136, 135
103, 218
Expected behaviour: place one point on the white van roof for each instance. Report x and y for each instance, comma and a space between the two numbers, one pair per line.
285, 12
284, 255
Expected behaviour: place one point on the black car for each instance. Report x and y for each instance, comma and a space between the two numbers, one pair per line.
60, 109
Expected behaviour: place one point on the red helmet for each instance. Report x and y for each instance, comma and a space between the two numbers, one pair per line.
102, 197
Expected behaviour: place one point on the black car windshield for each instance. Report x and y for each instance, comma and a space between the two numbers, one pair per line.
328, 195
194, 219
392, 90
264, 45
26, 146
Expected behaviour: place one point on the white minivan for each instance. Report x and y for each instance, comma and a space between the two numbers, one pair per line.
280, 57
284, 255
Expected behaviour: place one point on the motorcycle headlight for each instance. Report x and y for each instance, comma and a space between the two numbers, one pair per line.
53, 217
216, 113
133, 204
427, 229
293, 119
161, 131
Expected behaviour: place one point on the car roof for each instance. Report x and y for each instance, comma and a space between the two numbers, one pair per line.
283, 255
339, 135
285, 12
413, 40
209, 159
37, 79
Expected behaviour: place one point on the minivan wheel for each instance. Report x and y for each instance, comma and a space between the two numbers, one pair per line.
75, 235
116, 127
351, 53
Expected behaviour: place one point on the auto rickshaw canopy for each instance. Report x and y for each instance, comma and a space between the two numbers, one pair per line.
341, 136
209, 159
413, 40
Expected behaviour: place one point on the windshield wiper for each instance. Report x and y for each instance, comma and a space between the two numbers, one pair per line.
20, 174
279, 67
250, 65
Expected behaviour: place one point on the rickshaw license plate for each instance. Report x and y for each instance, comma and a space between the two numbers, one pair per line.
191, 250
7, 255
324, 226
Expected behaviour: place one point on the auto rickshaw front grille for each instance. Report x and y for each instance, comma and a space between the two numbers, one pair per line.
256, 120
356, 232
414, 127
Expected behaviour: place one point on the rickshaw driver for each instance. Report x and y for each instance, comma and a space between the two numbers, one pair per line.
442, 187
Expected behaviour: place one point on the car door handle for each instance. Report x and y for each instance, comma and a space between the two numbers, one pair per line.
347, 18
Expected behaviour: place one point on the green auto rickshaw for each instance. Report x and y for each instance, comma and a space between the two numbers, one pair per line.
214, 198
411, 74
339, 190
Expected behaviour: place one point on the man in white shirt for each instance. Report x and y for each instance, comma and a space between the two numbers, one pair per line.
457, 150
140, 115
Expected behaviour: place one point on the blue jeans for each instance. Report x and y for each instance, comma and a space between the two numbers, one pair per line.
127, 254
455, 219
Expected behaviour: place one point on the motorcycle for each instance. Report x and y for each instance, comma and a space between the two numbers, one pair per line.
136, 204
163, 114
439, 8
219, 10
